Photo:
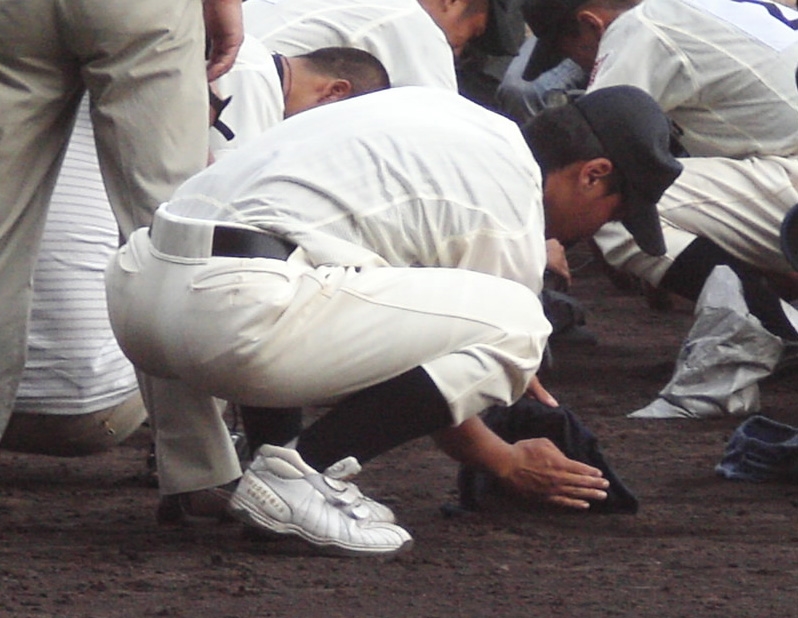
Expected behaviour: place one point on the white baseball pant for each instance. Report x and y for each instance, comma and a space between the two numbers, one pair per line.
273, 333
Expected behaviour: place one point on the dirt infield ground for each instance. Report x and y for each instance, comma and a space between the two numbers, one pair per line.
78, 538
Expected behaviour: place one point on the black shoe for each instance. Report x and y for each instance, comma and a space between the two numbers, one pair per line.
196, 507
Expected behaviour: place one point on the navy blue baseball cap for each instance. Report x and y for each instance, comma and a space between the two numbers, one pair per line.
636, 136
631, 130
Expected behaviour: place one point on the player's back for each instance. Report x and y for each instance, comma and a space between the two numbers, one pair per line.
723, 70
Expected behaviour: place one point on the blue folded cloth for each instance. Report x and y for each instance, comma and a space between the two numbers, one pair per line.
759, 450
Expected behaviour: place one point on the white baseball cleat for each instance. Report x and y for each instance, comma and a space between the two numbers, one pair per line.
281, 494
344, 470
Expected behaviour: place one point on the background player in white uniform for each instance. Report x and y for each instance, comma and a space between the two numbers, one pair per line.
723, 70
408, 177
263, 88
416, 41
732, 92
78, 393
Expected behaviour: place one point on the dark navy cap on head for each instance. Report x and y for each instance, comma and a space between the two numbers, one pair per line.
636, 135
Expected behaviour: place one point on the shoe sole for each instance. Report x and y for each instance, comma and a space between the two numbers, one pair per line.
248, 512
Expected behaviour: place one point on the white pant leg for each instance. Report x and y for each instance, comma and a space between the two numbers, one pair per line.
281, 334
479, 337
738, 204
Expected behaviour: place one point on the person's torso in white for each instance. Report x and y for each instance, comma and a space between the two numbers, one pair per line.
257, 100
74, 364
723, 70
400, 33
407, 176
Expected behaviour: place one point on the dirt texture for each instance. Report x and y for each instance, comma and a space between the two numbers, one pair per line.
78, 537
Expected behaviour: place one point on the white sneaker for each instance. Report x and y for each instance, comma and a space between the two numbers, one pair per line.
282, 494
344, 470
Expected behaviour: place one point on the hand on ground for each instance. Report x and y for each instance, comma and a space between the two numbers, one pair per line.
542, 471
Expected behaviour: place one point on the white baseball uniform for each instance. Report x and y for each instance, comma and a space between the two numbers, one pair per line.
399, 33
74, 365
724, 71
257, 103
370, 189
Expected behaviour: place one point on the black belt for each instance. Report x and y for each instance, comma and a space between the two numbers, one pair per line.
243, 243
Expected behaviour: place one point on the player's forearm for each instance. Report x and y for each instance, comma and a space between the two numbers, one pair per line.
472, 443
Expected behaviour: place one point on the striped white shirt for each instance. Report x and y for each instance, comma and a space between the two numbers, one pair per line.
74, 364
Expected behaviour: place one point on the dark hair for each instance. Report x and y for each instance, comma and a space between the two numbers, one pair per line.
569, 25
476, 6
560, 136
361, 69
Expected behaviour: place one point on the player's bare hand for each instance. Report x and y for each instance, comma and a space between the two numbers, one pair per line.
557, 262
224, 28
542, 471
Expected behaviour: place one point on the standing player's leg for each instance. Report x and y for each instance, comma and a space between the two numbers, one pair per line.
149, 95
40, 87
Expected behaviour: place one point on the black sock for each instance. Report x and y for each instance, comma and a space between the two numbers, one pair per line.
375, 420
689, 271
275, 426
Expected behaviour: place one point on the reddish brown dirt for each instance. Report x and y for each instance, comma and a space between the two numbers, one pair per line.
78, 537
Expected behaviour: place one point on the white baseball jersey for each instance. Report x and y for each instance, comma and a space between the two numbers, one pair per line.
400, 33
74, 364
257, 103
499, 233
371, 189
724, 71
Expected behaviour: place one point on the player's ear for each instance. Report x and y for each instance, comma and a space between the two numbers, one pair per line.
336, 90
594, 172
590, 22
449, 5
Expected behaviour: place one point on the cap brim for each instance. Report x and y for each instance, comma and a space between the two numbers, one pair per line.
789, 236
644, 225
544, 56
